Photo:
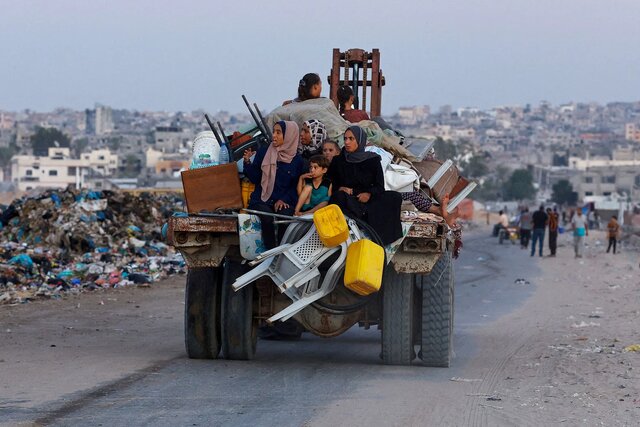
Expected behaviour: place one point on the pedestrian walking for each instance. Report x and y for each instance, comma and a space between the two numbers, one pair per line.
580, 231
553, 231
525, 228
613, 228
591, 218
539, 221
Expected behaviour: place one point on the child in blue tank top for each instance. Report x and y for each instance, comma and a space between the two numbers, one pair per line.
317, 189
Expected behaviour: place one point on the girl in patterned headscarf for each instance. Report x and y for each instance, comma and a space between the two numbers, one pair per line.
312, 136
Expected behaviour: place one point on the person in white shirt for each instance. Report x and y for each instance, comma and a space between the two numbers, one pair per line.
580, 230
504, 219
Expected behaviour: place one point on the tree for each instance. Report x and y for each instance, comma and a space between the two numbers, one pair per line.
45, 138
563, 193
79, 145
476, 167
444, 150
6, 153
519, 186
487, 190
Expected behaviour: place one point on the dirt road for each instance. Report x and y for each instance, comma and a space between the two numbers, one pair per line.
544, 350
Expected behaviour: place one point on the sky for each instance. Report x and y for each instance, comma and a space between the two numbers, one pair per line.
190, 54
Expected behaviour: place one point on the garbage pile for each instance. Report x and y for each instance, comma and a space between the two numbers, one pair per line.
68, 241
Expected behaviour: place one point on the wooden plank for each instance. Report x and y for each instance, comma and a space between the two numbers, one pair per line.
369, 82
356, 55
376, 88
203, 224
334, 78
211, 188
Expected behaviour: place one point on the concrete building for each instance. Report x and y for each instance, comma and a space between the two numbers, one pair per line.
59, 170
171, 168
170, 139
104, 120
608, 181
90, 122
410, 116
98, 121
632, 132
166, 164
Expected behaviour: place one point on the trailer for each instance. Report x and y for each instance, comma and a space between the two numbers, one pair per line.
413, 309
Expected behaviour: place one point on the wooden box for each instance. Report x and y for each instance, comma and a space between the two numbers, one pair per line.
211, 188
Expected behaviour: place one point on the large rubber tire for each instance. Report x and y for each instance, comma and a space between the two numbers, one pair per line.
202, 313
437, 314
397, 317
239, 327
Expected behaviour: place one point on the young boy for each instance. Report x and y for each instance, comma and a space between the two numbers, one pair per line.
330, 149
317, 189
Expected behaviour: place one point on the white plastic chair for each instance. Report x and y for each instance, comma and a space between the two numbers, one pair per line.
294, 268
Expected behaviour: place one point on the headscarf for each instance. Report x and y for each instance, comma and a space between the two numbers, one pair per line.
318, 134
284, 153
360, 155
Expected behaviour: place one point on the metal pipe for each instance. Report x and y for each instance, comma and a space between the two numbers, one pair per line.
275, 215
356, 80
264, 123
215, 215
213, 129
224, 136
260, 125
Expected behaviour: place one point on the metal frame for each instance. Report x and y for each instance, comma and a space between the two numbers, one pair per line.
350, 63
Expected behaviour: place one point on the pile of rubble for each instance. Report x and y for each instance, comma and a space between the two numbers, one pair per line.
67, 241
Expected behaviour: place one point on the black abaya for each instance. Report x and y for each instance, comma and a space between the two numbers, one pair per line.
382, 211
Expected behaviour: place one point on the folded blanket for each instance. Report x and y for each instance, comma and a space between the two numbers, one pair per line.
324, 109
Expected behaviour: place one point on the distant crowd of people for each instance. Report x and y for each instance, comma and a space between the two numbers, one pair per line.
534, 226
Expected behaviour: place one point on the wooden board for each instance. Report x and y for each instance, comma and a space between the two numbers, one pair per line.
446, 184
215, 187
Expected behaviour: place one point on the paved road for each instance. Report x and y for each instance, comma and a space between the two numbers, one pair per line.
315, 381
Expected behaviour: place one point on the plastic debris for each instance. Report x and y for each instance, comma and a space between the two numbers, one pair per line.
584, 324
464, 380
632, 348
69, 241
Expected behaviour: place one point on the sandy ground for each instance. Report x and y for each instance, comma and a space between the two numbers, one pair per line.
53, 348
555, 359
563, 358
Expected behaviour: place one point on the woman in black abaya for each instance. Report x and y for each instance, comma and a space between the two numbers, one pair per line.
358, 183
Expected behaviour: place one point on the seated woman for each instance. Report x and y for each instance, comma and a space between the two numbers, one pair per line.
345, 100
275, 171
309, 87
358, 187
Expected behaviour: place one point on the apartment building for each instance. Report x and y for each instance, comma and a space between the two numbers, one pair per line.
59, 170
632, 132
170, 139
606, 177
